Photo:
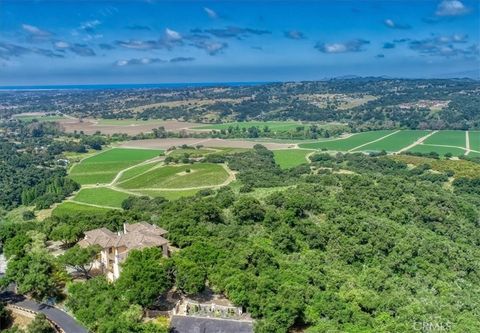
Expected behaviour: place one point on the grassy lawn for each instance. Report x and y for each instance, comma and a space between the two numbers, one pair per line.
450, 138
424, 148
272, 125
103, 167
69, 208
396, 141
348, 143
101, 196
474, 140
176, 176
289, 158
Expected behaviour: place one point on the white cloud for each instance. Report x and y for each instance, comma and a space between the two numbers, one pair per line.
138, 61
355, 45
211, 13
451, 8
35, 31
89, 25
394, 25
173, 35
61, 45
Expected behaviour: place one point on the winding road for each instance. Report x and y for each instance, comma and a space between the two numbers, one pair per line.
62, 319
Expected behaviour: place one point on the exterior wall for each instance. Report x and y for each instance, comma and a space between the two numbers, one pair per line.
110, 259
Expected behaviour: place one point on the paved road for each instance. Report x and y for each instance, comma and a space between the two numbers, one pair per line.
62, 319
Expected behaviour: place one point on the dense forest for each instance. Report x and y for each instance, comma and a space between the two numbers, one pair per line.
350, 243
361, 102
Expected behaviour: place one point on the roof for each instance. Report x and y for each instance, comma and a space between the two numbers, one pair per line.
190, 324
101, 237
136, 236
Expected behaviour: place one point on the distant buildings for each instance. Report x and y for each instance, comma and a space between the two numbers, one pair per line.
115, 246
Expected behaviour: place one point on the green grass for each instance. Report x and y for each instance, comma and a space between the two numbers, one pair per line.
170, 195
289, 158
39, 118
449, 138
272, 125
72, 208
348, 143
101, 196
474, 140
127, 122
176, 177
396, 141
103, 167
423, 148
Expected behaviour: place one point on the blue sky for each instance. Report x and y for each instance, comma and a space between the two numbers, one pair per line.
156, 41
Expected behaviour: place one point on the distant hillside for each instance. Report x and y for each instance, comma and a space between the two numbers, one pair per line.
369, 102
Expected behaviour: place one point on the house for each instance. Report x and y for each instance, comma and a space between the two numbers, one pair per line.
115, 246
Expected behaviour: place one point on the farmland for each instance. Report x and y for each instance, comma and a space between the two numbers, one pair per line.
101, 196
111, 176
178, 177
450, 138
48, 118
348, 143
416, 141
474, 140
288, 158
102, 168
396, 141
272, 125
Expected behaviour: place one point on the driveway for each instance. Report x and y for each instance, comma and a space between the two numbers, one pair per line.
59, 317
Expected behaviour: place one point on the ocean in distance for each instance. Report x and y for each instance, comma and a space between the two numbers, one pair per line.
132, 86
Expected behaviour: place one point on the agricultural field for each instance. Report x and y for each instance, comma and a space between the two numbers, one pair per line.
349, 143
101, 196
441, 142
289, 158
46, 118
169, 195
448, 138
69, 208
128, 122
395, 142
474, 140
272, 125
103, 167
178, 177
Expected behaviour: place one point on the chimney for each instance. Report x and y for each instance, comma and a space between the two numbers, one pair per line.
124, 228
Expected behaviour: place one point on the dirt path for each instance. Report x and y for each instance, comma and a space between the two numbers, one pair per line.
467, 143
419, 141
376, 140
